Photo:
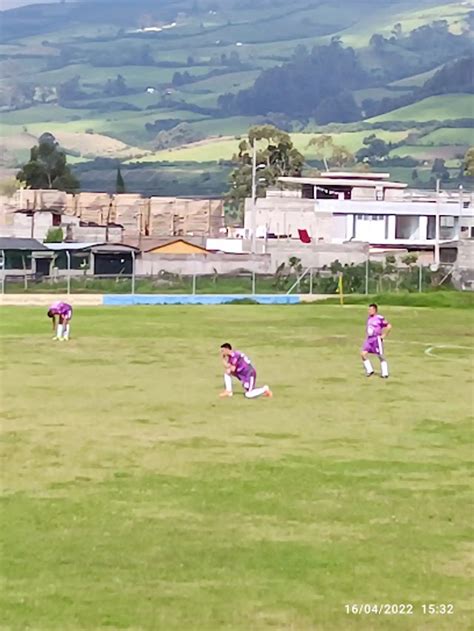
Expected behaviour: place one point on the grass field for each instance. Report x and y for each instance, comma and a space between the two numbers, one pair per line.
134, 498
442, 107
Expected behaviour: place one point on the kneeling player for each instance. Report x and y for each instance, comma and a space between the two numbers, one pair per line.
377, 329
237, 364
63, 312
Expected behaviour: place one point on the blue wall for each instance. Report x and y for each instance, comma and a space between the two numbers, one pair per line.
198, 299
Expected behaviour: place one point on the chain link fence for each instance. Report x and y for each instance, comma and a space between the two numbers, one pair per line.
367, 278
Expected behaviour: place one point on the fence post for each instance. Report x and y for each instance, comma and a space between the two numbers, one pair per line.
68, 280
420, 278
3, 271
133, 272
311, 281
253, 283
194, 283
367, 275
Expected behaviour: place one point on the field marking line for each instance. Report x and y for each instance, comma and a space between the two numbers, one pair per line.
430, 351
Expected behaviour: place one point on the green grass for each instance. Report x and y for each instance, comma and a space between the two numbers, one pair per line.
449, 136
224, 148
443, 107
133, 498
420, 152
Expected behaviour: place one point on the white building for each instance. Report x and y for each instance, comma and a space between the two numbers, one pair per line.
341, 207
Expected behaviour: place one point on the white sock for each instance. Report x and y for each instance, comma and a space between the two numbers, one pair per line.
256, 392
384, 368
367, 366
59, 330
66, 331
228, 382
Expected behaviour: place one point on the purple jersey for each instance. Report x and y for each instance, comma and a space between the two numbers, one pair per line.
375, 326
243, 365
61, 309
244, 371
373, 342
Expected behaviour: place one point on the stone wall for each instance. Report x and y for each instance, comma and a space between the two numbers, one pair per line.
201, 264
463, 273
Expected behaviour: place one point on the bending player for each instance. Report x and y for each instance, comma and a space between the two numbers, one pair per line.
238, 365
63, 312
377, 330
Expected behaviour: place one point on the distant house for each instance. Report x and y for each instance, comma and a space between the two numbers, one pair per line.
17, 255
177, 246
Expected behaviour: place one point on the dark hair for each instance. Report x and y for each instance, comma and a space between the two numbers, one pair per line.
50, 313
226, 345
372, 304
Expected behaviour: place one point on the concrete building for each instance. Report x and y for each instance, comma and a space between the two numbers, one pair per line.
340, 207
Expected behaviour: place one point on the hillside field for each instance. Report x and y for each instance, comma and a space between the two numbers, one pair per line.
135, 498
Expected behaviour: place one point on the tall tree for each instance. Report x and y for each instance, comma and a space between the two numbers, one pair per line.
119, 182
47, 167
469, 162
327, 150
276, 157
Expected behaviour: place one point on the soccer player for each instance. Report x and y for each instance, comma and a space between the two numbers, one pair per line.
238, 365
63, 312
377, 330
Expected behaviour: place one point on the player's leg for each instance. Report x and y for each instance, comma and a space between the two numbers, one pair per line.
251, 392
60, 328
369, 370
383, 361
67, 328
228, 386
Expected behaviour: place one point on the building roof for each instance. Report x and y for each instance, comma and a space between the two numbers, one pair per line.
343, 181
103, 248
12, 243
356, 175
178, 240
59, 247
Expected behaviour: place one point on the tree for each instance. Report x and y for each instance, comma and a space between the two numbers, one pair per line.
326, 150
374, 150
54, 235
47, 167
439, 170
119, 183
276, 157
469, 162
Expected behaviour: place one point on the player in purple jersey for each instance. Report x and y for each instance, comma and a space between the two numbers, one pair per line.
377, 330
237, 364
62, 311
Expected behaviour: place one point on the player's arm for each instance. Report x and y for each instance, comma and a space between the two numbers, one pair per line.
386, 330
53, 320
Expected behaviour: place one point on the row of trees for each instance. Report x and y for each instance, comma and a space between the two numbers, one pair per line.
315, 84
47, 168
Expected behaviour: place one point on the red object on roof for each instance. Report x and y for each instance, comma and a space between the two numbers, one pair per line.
304, 236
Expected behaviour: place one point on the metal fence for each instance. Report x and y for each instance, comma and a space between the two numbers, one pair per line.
369, 278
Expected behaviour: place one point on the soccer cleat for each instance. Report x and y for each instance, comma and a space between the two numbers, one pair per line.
226, 393
370, 374
268, 393
384, 376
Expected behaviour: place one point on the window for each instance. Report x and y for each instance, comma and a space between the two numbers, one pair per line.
56, 220
446, 222
472, 232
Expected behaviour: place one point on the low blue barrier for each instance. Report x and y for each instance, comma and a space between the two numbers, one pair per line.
197, 299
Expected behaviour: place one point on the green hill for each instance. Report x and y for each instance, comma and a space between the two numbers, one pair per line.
442, 107
108, 79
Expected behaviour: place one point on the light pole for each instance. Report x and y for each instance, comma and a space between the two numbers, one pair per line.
253, 223
255, 168
436, 250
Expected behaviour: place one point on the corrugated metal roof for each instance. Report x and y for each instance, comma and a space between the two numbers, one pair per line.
13, 243
59, 247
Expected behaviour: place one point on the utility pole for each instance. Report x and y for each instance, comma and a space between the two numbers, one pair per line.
436, 250
253, 223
